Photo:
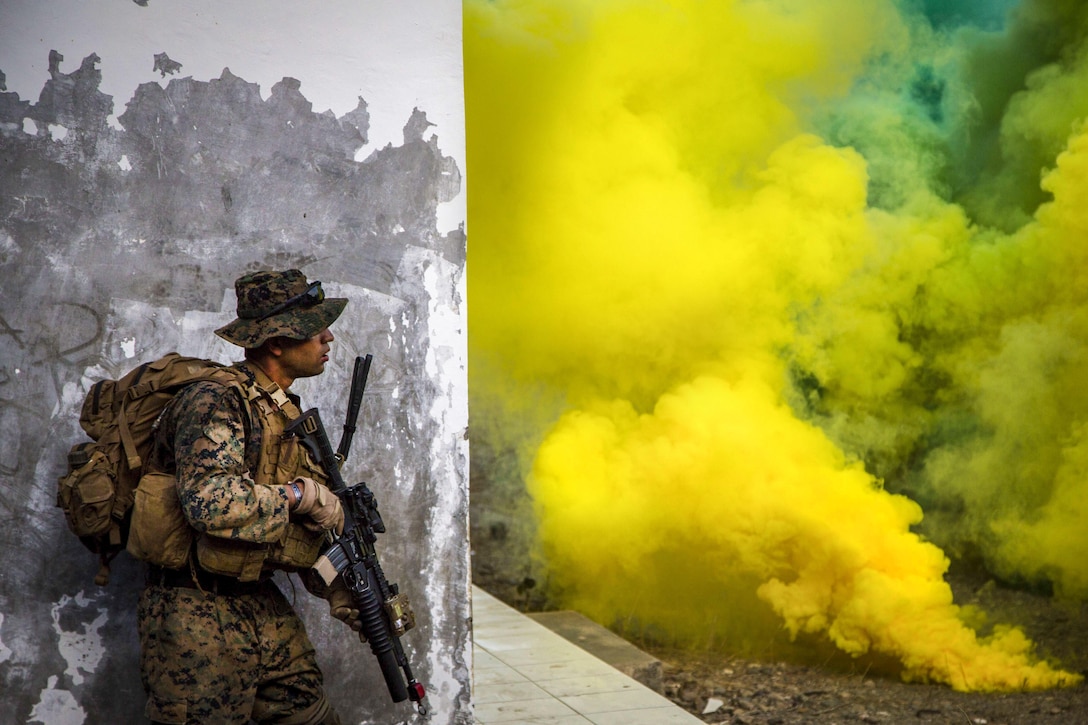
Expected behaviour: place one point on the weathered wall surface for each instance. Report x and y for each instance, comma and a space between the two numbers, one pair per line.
120, 239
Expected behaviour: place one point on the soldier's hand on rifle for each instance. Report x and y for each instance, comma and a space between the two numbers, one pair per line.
321, 506
343, 608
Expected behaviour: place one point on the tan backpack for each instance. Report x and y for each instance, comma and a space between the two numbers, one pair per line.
97, 492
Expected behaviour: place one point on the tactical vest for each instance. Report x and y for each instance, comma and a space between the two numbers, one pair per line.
162, 536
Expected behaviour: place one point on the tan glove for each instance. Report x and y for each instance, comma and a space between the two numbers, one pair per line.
321, 506
343, 608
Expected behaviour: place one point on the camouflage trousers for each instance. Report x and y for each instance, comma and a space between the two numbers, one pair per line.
208, 658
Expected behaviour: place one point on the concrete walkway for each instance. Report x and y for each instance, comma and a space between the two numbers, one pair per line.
525, 673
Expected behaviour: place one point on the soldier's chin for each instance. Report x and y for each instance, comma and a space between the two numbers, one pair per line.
316, 370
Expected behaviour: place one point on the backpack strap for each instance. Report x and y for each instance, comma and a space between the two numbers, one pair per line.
128, 445
135, 390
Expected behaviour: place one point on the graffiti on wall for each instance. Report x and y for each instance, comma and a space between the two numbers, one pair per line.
120, 238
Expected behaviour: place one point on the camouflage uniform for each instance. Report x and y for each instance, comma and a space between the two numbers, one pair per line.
213, 458
213, 649
209, 657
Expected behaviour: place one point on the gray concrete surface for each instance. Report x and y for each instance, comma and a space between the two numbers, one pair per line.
524, 673
604, 644
123, 224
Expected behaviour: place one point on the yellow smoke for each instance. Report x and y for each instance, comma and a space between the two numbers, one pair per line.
726, 476
667, 245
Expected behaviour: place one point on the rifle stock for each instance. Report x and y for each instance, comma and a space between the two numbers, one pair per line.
384, 612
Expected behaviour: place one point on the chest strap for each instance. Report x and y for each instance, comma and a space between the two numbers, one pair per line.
269, 396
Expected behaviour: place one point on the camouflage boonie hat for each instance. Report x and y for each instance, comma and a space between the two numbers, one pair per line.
279, 304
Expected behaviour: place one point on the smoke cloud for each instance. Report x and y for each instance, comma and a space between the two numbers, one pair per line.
782, 305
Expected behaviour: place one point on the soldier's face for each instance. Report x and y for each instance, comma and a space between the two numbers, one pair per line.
306, 358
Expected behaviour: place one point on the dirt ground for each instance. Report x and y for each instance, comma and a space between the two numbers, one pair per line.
727, 690
838, 689
735, 691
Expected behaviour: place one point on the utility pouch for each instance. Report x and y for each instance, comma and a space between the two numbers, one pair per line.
86, 493
299, 548
241, 559
159, 532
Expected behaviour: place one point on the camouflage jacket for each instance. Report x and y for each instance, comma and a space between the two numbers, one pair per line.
213, 453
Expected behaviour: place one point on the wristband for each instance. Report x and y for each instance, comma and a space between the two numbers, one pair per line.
298, 492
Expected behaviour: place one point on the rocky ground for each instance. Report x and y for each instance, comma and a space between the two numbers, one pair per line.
727, 690
832, 688
735, 691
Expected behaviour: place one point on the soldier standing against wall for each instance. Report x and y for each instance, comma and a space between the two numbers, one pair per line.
219, 641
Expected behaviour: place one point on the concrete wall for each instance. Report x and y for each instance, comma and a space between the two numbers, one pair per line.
149, 155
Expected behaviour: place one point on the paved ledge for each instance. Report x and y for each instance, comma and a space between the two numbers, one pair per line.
525, 673
606, 645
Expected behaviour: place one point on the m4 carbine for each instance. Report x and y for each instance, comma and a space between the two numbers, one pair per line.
385, 613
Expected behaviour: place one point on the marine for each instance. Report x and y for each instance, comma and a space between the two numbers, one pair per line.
219, 642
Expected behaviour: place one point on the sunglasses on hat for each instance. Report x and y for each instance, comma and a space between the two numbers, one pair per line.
312, 296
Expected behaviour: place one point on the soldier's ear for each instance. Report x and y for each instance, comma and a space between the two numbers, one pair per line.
272, 347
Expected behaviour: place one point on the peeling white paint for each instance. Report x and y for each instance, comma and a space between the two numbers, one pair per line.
81, 649
29, 127
5, 651
332, 78
8, 247
57, 132
57, 707
447, 354
446, 364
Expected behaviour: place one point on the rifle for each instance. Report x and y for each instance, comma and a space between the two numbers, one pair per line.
384, 612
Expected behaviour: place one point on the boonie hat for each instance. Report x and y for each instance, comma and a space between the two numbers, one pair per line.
279, 304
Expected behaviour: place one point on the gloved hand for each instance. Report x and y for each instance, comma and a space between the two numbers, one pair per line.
343, 608
321, 506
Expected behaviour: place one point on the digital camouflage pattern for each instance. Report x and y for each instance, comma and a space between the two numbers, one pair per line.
207, 657
301, 316
210, 659
205, 424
